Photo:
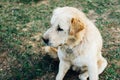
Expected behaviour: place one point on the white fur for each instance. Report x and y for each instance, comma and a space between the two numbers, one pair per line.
86, 53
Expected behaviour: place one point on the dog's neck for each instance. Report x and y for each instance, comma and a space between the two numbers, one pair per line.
72, 43
66, 49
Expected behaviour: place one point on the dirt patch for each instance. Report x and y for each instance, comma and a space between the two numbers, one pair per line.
47, 76
45, 2
115, 35
92, 15
4, 61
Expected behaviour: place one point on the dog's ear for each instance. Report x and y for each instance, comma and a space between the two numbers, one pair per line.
76, 26
76, 32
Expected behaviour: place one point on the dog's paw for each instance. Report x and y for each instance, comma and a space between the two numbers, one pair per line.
52, 52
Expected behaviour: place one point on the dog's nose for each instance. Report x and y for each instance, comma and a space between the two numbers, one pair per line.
45, 40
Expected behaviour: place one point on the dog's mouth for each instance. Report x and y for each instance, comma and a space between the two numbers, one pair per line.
61, 45
54, 46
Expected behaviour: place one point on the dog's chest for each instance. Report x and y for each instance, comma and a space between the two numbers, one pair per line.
72, 56
67, 53
69, 56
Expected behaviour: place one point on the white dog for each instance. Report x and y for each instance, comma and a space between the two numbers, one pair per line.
78, 41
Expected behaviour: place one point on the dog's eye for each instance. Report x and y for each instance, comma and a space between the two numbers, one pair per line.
59, 29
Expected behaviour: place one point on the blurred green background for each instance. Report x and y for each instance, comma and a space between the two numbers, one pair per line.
22, 23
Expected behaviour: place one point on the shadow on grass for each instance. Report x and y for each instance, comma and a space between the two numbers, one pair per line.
27, 66
32, 67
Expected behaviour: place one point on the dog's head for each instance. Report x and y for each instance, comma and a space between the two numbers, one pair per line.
66, 28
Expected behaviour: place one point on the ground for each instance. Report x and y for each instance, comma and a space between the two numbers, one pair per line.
22, 23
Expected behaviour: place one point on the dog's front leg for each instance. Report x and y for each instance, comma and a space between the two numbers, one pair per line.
63, 68
93, 71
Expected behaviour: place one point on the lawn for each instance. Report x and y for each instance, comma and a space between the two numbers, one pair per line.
22, 23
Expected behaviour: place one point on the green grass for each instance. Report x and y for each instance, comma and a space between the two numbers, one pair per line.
20, 51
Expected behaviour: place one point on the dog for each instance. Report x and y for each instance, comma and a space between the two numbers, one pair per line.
78, 43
